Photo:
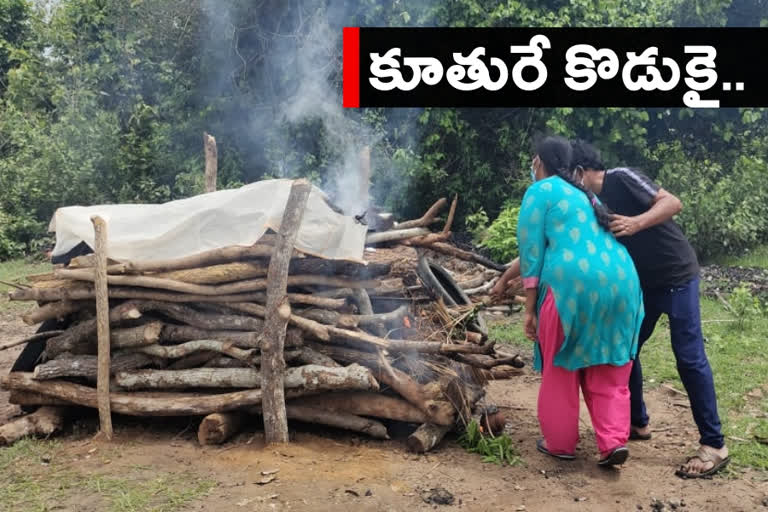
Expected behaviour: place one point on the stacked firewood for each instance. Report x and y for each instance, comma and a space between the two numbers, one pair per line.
186, 338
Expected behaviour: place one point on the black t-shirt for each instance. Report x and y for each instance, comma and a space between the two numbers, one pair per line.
662, 254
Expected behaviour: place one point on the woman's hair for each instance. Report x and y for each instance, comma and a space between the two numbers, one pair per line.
558, 157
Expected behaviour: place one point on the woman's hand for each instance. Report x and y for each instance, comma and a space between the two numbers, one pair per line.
498, 290
530, 325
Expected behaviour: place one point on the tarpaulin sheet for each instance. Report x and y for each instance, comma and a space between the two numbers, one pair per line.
143, 232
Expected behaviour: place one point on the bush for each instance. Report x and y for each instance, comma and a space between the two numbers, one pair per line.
723, 210
500, 238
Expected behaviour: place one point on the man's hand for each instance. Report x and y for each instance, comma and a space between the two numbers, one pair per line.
530, 325
625, 226
498, 290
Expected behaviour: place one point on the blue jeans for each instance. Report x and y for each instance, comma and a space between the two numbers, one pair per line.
681, 304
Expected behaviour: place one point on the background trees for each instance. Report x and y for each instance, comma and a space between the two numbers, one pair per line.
106, 101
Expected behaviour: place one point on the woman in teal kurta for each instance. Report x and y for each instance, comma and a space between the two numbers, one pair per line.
584, 307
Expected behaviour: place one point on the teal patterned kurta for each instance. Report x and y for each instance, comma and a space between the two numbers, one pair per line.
593, 279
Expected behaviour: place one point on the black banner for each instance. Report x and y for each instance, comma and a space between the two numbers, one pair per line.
555, 67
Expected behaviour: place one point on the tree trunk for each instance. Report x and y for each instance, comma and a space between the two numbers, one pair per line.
426, 219
86, 366
278, 311
426, 437
365, 403
143, 404
211, 162
338, 420
308, 356
80, 332
394, 235
212, 257
57, 310
243, 286
137, 336
199, 359
185, 349
102, 325
218, 427
43, 422
310, 377
217, 274
502, 372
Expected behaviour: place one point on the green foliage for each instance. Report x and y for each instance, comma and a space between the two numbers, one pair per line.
746, 307
501, 236
723, 208
477, 225
103, 101
496, 449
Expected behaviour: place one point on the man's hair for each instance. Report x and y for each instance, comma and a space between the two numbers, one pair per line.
586, 156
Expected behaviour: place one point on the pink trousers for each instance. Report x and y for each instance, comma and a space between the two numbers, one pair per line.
605, 389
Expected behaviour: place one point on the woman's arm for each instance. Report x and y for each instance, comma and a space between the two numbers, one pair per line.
531, 297
511, 273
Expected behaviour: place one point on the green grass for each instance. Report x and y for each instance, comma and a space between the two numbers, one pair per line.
757, 257
15, 271
26, 483
739, 359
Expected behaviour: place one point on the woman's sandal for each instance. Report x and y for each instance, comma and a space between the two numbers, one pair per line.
704, 456
616, 458
561, 456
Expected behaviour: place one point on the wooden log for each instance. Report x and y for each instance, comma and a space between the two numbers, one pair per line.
142, 404
57, 310
203, 259
426, 219
394, 235
241, 339
332, 267
85, 293
326, 317
365, 403
316, 329
222, 362
43, 422
451, 214
140, 336
35, 337
199, 359
426, 437
425, 399
337, 420
289, 356
381, 321
218, 427
502, 372
485, 288
246, 285
426, 240
216, 274
277, 314
364, 307
86, 366
211, 162
29, 399
308, 356
185, 349
102, 326
70, 338
450, 250
309, 377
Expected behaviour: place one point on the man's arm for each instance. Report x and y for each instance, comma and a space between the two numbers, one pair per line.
665, 206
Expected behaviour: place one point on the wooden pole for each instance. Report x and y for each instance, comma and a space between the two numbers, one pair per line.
102, 326
211, 162
278, 311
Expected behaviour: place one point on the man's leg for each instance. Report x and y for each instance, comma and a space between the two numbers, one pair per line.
653, 309
692, 363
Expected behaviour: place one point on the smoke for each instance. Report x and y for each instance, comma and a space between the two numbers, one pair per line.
299, 50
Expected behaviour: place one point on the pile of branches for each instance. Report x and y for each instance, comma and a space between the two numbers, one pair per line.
186, 338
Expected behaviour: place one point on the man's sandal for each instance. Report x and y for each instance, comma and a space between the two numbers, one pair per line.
704, 456
634, 435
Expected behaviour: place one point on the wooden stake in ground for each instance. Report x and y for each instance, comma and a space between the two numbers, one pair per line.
102, 325
278, 311
211, 162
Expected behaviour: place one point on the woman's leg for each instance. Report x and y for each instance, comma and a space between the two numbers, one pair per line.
559, 391
606, 393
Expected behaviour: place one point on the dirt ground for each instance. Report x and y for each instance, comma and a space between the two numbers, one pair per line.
332, 471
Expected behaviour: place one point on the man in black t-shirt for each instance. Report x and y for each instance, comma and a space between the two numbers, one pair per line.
669, 276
